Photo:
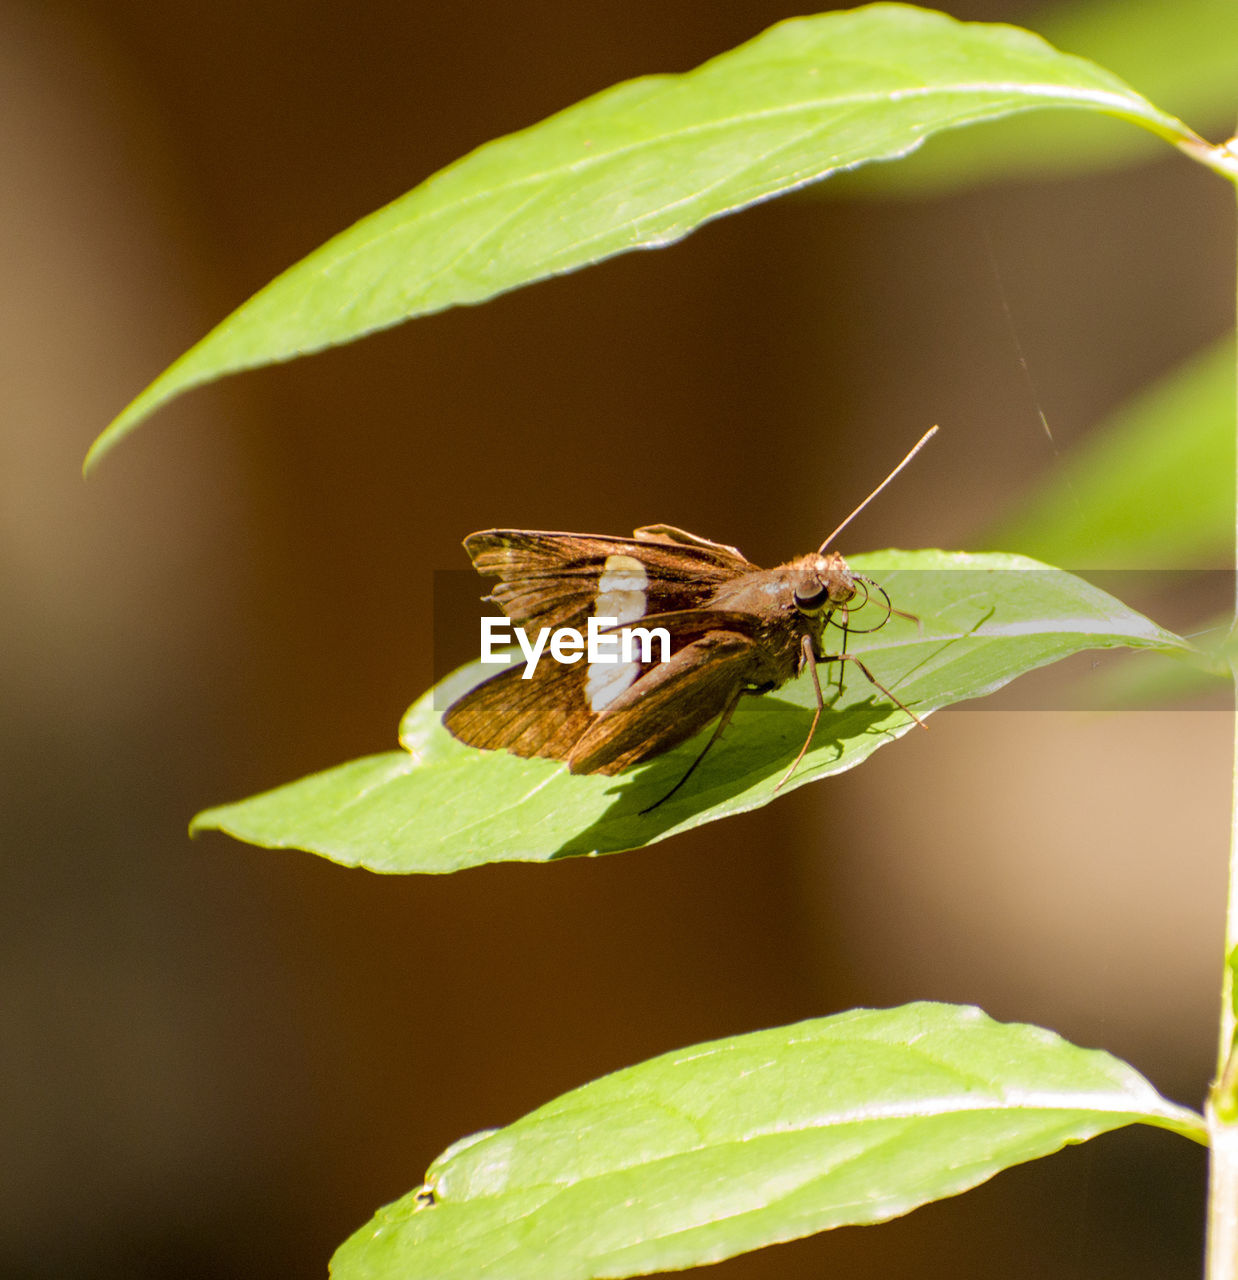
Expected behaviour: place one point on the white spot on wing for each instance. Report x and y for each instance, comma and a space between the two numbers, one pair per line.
606, 681
621, 591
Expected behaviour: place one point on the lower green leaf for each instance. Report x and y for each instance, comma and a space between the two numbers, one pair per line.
724, 1147
440, 806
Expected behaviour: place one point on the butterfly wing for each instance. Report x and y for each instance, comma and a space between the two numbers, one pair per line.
669, 704
565, 705
543, 716
667, 533
562, 579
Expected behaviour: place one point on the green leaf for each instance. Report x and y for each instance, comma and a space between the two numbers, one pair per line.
1134, 37
441, 806
1152, 680
644, 163
724, 1147
1182, 55
1152, 489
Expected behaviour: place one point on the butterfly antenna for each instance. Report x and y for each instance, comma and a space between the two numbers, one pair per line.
924, 439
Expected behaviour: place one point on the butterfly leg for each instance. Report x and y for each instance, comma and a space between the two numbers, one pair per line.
910, 617
842, 654
810, 659
727, 712
872, 679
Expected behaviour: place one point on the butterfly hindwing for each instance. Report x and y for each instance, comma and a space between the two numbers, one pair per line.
719, 552
566, 704
669, 704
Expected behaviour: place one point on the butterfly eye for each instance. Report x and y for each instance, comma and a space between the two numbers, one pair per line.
812, 601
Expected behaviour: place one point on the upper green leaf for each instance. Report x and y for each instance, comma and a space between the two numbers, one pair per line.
644, 163
442, 806
724, 1147
1182, 55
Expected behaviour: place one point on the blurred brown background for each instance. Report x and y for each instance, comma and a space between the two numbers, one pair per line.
218, 1061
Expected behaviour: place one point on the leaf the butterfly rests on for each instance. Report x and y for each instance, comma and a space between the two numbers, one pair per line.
732, 629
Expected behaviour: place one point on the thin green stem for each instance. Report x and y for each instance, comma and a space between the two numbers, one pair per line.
1223, 158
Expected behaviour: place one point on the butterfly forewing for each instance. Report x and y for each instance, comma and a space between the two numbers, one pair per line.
560, 579
544, 716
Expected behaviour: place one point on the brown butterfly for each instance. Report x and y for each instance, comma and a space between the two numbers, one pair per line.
731, 629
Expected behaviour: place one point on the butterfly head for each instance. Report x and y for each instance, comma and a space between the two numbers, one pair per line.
823, 584
825, 590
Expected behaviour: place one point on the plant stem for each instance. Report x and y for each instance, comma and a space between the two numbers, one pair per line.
1222, 1108
1222, 1111
1223, 1202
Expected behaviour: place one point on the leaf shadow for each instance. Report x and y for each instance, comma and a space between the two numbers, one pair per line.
755, 749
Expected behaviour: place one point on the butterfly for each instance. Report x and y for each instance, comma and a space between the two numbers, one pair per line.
730, 629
